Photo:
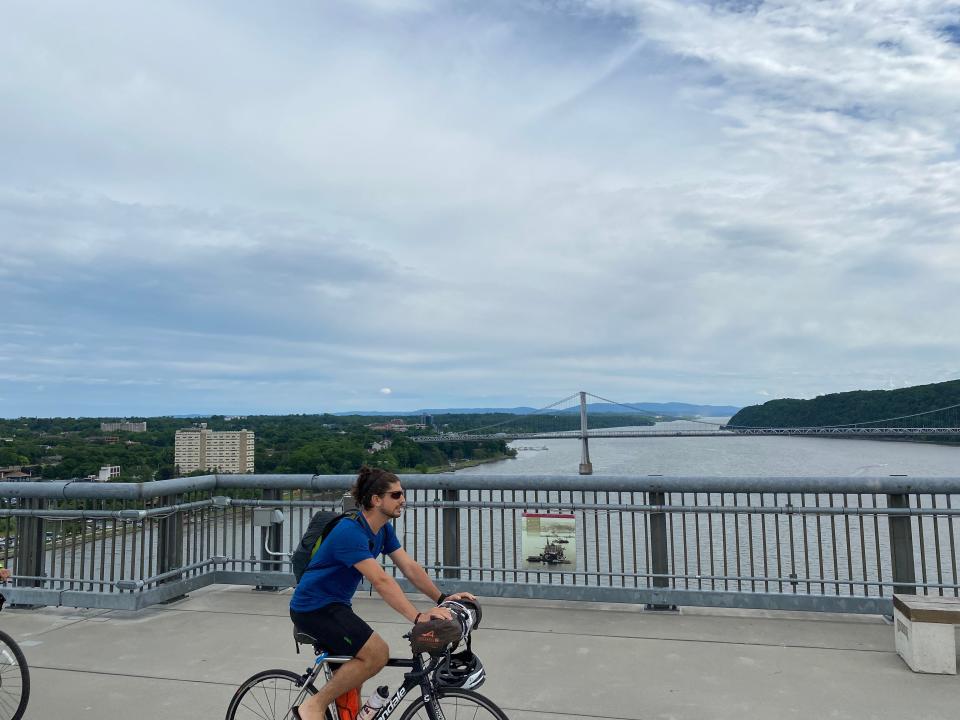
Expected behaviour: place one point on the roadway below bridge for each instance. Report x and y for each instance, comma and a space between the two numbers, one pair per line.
719, 432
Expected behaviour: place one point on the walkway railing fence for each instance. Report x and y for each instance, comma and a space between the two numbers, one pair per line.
822, 544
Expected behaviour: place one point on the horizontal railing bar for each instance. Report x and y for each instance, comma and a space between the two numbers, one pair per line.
78, 514
55, 579
69, 490
851, 510
217, 560
688, 509
140, 584
328, 504
76, 489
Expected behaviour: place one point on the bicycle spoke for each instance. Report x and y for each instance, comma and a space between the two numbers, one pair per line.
266, 709
461, 707
266, 697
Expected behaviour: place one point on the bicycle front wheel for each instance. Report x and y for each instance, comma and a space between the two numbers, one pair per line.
268, 695
457, 705
14, 679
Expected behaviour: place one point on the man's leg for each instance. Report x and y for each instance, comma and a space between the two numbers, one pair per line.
368, 662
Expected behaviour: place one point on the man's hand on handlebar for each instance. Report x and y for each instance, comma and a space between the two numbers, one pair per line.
438, 613
442, 613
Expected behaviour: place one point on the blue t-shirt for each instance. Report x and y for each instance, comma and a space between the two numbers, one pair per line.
336, 580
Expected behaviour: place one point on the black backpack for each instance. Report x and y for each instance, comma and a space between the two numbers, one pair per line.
321, 524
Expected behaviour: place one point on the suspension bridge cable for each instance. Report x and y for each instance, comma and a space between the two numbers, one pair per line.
514, 419
647, 412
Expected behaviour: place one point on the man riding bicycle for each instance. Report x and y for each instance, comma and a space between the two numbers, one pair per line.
320, 605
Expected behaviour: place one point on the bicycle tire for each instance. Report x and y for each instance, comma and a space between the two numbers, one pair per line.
14, 679
267, 695
456, 704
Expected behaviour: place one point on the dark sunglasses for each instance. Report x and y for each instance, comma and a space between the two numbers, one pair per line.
396, 494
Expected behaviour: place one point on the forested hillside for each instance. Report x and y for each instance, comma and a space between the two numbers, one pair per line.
849, 407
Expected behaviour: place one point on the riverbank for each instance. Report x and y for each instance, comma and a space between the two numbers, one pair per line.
462, 464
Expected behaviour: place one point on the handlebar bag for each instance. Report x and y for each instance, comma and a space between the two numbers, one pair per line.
435, 636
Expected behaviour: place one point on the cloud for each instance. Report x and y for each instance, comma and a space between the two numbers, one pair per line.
249, 210
385, 391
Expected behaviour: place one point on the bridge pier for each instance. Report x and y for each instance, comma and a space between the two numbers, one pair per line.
586, 467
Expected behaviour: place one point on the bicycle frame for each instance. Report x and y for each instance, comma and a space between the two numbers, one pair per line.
418, 676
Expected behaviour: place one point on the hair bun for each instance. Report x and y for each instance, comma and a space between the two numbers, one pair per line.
364, 478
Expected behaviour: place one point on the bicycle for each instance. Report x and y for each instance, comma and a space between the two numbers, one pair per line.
269, 694
14, 677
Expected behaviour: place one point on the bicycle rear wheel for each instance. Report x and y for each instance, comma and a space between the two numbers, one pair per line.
268, 695
14, 679
457, 705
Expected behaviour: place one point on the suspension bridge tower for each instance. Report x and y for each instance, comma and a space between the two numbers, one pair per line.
586, 467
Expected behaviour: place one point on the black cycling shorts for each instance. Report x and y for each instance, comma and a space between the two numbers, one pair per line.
338, 629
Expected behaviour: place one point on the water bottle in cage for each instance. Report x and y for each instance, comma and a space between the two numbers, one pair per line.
374, 703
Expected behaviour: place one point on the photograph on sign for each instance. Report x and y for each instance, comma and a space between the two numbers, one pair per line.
549, 541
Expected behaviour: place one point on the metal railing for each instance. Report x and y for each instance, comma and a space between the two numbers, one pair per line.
825, 544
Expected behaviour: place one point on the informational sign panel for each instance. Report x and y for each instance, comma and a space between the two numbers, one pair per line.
549, 541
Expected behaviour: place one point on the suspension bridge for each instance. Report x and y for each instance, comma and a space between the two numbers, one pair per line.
937, 423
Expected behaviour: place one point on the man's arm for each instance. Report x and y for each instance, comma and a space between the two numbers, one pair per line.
387, 588
391, 592
414, 572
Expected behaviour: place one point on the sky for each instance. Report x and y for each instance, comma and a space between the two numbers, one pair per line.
299, 207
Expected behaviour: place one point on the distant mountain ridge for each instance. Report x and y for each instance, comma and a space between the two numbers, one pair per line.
643, 408
856, 406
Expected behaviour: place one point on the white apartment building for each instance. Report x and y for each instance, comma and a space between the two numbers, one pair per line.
198, 448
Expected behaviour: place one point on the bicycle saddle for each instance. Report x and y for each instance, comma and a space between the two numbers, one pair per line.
303, 638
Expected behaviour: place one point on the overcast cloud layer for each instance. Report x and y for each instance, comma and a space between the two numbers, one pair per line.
243, 207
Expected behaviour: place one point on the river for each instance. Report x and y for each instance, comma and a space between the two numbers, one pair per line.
735, 456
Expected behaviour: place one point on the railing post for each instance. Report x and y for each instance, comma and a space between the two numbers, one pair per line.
270, 536
451, 536
659, 549
901, 547
170, 542
30, 543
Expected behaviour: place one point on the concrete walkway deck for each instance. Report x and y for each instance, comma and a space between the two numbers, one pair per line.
545, 660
